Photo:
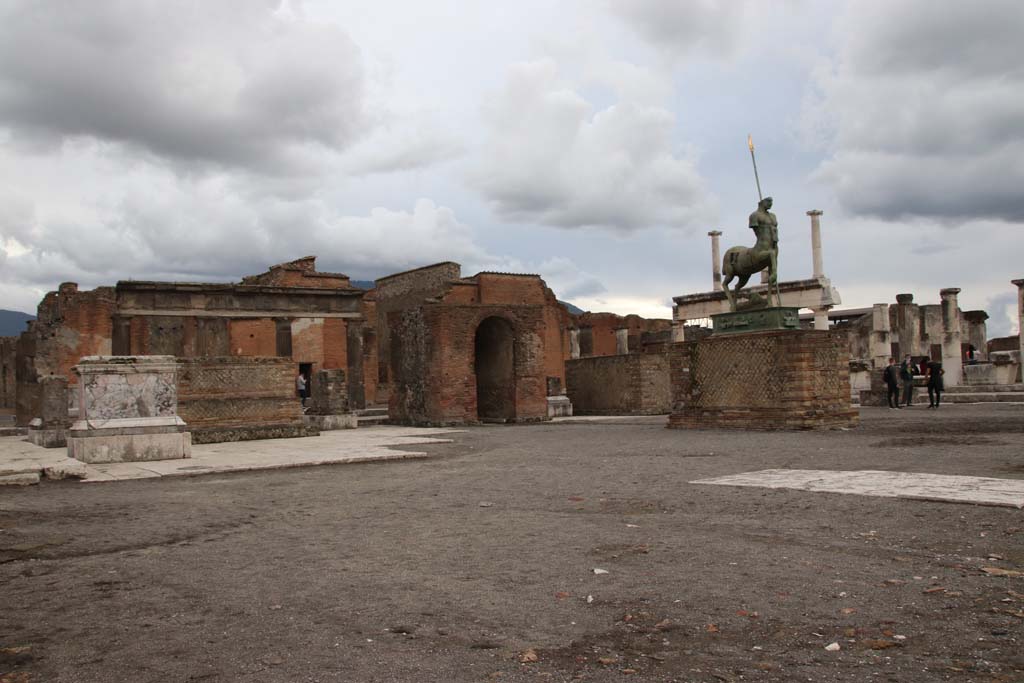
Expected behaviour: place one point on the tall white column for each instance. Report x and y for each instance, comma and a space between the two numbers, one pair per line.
1020, 320
574, 343
819, 271
716, 261
622, 341
952, 356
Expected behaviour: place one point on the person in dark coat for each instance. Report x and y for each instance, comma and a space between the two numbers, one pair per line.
907, 371
891, 377
935, 384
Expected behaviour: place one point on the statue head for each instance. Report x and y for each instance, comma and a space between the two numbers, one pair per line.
765, 203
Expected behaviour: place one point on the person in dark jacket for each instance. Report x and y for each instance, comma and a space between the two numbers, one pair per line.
891, 377
935, 384
907, 372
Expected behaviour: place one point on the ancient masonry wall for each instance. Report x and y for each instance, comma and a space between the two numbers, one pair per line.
762, 381
405, 290
634, 384
432, 351
598, 332
8, 372
237, 399
69, 325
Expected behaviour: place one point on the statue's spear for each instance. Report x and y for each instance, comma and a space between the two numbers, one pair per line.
750, 144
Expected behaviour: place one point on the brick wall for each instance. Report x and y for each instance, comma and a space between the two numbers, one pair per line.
766, 380
8, 372
432, 357
253, 337
634, 384
234, 399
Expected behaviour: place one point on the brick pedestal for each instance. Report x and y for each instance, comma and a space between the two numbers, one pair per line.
789, 379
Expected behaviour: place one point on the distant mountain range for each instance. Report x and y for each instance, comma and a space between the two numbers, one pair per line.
12, 323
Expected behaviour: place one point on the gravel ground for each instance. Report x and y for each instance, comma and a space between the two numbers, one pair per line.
477, 564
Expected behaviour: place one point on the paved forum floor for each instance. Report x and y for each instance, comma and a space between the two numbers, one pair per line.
478, 563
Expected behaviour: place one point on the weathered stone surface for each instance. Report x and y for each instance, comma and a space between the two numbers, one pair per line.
637, 384
326, 423
127, 386
67, 468
20, 479
130, 447
559, 406
798, 379
46, 438
329, 394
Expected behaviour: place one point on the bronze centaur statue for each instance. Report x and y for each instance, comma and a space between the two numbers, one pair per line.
742, 262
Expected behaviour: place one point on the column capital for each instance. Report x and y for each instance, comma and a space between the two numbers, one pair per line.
815, 212
718, 233
1019, 283
949, 291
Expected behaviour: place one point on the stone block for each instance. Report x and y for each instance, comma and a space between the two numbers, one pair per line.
559, 406
326, 423
128, 444
68, 468
20, 479
46, 438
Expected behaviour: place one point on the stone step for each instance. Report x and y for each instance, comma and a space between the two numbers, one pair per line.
372, 415
981, 397
986, 389
13, 431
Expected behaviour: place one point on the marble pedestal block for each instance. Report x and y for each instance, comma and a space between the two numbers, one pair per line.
127, 410
49, 430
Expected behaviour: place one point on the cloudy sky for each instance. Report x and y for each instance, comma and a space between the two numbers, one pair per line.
592, 141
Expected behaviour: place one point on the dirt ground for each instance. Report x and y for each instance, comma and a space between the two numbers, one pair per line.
478, 564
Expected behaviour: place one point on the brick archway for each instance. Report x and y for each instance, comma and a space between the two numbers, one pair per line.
494, 367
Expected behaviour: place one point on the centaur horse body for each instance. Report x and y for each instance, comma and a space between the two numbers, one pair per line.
742, 262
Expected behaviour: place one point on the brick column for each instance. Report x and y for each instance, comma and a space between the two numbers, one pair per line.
716, 261
952, 357
1020, 319
819, 271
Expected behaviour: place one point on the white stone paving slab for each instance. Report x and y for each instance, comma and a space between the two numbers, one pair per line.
334, 447
912, 485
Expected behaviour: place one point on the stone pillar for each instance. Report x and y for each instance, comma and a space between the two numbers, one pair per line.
574, 343
1020, 321
952, 356
622, 341
354, 360
49, 429
819, 271
716, 261
880, 348
977, 333
820, 318
678, 330
908, 326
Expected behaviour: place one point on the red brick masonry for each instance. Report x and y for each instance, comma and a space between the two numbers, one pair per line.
790, 379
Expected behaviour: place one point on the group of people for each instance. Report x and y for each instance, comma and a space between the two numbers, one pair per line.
903, 374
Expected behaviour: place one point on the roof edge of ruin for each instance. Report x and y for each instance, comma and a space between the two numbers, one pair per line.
413, 270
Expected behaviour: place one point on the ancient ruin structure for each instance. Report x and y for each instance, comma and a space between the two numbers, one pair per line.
8, 363
471, 349
292, 311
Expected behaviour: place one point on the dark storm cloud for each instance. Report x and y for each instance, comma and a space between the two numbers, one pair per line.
924, 105
230, 82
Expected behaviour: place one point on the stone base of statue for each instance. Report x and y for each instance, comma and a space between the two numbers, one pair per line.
127, 409
769, 380
762, 319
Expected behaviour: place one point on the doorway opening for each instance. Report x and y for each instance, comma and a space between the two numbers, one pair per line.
494, 365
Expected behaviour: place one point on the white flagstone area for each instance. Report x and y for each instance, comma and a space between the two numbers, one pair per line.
912, 485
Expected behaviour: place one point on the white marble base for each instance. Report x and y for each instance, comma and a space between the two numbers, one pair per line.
559, 406
913, 485
135, 439
326, 423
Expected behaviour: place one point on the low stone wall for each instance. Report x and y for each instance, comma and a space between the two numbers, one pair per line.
792, 379
229, 398
633, 384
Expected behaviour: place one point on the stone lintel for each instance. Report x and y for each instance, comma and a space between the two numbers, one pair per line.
199, 313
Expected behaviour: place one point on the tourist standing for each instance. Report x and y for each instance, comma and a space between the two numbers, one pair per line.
300, 387
935, 384
892, 384
907, 372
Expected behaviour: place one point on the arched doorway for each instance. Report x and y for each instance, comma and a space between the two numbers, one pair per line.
494, 365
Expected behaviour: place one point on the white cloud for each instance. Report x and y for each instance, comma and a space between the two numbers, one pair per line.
232, 82
551, 159
921, 111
